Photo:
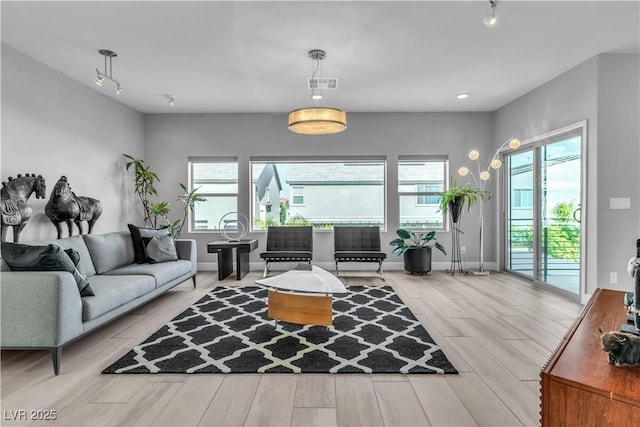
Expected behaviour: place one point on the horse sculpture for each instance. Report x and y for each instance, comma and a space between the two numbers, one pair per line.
65, 206
15, 212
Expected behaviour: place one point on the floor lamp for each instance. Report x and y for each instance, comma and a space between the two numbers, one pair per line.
484, 175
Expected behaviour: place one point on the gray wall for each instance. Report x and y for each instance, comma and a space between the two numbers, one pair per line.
618, 166
170, 139
53, 126
604, 91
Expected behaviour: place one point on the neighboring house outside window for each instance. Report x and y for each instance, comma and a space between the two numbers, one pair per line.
328, 192
522, 198
267, 188
217, 181
420, 179
427, 198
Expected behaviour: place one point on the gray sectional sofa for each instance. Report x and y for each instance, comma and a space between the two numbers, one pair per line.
44, 310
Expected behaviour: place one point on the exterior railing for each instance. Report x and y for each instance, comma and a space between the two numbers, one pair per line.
559, 246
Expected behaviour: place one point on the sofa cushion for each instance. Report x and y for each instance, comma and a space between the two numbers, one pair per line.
163, 273
73, 255
85, 265
110, 251
51, 257
112, 292
162, 249
142, 237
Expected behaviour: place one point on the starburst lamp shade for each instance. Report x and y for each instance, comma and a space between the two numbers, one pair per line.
317, 121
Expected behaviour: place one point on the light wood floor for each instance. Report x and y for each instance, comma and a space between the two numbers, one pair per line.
498, 331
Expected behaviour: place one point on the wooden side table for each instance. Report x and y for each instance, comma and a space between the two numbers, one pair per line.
224, 249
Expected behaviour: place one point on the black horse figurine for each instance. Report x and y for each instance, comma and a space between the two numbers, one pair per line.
65, 206
15, 212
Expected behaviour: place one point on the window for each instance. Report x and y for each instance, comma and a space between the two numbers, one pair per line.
216, 179
419, 182
321, 193
522, 198
297, 196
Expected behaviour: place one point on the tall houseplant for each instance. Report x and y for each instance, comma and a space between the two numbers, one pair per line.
144, 185
416, 249
144, 181
190, 200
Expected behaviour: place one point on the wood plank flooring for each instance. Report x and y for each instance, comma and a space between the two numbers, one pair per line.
497, 330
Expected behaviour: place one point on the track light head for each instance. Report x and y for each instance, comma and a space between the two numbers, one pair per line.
108, 70
171, 101
490, 20
99, 78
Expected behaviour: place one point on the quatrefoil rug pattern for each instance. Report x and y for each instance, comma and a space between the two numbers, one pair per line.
228, 331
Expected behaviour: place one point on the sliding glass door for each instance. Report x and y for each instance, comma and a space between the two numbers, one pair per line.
520, 221
542, 216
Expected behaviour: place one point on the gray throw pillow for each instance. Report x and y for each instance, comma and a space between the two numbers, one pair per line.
142, 237
52, 257
161, 249
73, 255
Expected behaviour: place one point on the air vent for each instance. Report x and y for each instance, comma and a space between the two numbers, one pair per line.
323, 83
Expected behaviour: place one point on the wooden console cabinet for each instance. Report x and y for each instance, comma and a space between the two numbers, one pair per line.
579, 386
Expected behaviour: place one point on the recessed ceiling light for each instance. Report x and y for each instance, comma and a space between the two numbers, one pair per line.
462, 95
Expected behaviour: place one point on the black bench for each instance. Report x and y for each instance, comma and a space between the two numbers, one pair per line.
288, 244
358, 244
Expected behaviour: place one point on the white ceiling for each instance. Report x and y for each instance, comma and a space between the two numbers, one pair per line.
252, 56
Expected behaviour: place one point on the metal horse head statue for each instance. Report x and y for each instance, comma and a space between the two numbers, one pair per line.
14, 208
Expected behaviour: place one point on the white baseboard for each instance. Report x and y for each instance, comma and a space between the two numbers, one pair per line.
346, 266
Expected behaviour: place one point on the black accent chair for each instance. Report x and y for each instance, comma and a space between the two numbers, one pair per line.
358, 244
288, 244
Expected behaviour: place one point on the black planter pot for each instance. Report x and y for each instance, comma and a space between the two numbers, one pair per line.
455, 208
418, 261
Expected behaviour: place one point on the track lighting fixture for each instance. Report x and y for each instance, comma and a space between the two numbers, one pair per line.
490, 20
171, 100
108, 71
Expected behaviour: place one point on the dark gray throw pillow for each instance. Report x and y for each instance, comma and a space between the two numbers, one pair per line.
73, 255
52, 257
162, 250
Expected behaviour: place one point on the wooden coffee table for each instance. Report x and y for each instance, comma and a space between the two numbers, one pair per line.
303, 296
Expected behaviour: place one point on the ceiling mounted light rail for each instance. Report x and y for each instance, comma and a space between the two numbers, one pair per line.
108, 71
317, 120
490, 20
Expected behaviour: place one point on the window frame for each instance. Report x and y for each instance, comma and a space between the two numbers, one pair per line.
192, 161
444, 160
321, 159
299, 188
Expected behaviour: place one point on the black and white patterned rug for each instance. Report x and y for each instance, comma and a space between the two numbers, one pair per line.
228, 331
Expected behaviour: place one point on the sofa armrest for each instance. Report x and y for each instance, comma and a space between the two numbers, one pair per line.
39, 309
187, 250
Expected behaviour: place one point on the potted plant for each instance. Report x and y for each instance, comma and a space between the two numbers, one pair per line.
456, 197
416, 249
145, 180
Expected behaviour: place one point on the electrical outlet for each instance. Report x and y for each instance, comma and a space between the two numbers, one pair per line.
463, 249
613, 278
